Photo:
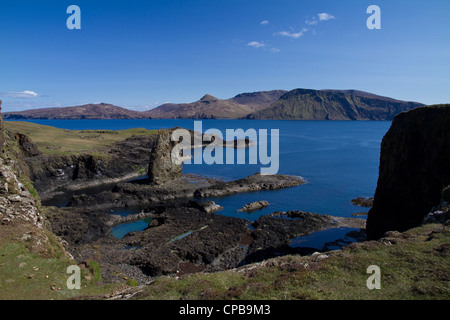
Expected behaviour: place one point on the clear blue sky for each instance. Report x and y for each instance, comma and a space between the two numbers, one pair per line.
139, 54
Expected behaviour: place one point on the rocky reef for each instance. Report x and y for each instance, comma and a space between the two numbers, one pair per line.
185, 237
188, 186
414, 169
255, 182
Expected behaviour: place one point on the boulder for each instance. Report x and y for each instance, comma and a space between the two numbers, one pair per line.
28, 147
365, 202
205, 206
253, 206
414, 169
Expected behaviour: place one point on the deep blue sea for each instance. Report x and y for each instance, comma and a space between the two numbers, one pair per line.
339, 160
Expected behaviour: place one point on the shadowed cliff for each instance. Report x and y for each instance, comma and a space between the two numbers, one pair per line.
414, 169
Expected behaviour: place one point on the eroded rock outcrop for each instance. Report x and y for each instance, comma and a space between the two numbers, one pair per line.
16, 202
54, 174
21, 219
2, 135
414, 168
161, 168
28, 147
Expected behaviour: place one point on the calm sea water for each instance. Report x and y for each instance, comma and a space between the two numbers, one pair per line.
339, 160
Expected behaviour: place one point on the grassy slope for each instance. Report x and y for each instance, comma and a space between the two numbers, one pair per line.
51, 140
30, 275
414, 265
33, 262
27, 275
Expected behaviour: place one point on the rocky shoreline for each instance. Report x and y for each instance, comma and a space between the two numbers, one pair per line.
141, 193
184, 234
183, 237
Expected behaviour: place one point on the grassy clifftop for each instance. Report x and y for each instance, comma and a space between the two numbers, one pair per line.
51, 140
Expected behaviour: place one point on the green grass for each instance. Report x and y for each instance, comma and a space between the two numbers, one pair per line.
25, 275
132, 283
94, 268
30, 187
51, 140
414, 265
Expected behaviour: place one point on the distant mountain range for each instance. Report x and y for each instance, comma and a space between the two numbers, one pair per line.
298, 104
306, 104
210, 107
87, 111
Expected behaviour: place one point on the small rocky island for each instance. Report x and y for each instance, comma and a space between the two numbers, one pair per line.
253, 206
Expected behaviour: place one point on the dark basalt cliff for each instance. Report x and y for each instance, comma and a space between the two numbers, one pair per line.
414, 169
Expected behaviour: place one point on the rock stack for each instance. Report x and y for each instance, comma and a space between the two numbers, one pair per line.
161, 168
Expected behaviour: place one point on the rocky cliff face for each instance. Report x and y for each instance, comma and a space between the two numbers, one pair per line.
17, 204
2, 129
56, 173
414, 169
